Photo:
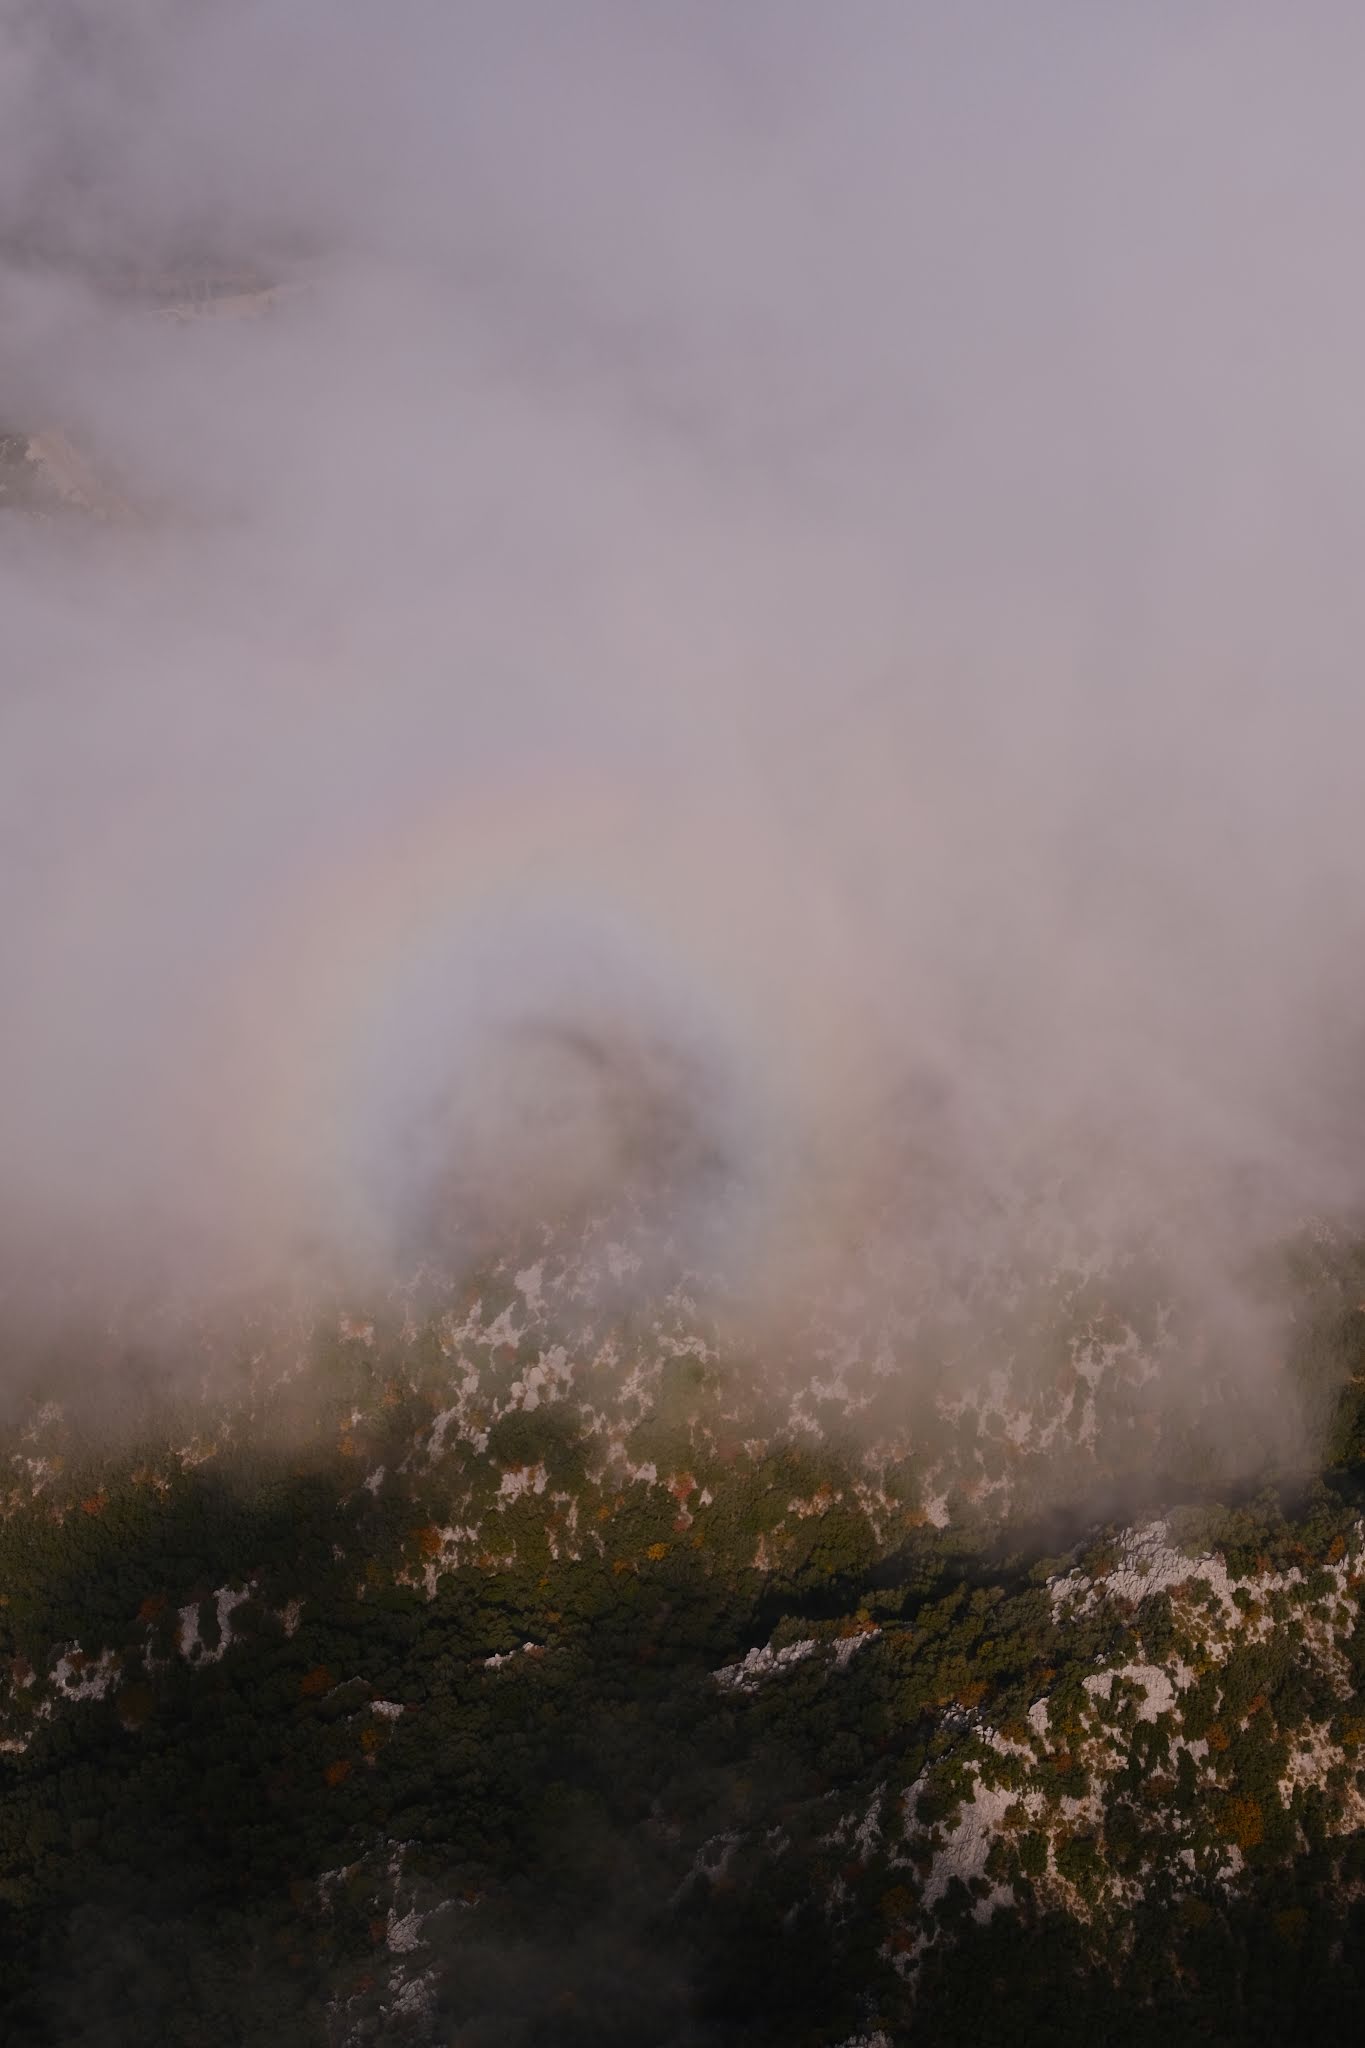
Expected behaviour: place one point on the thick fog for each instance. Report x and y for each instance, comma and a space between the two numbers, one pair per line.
772, 606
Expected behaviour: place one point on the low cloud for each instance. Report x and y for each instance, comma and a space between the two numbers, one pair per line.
754, 612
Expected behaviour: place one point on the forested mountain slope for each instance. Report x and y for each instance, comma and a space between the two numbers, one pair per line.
500, 1668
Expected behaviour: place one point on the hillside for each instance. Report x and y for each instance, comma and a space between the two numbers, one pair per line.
508, 1670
